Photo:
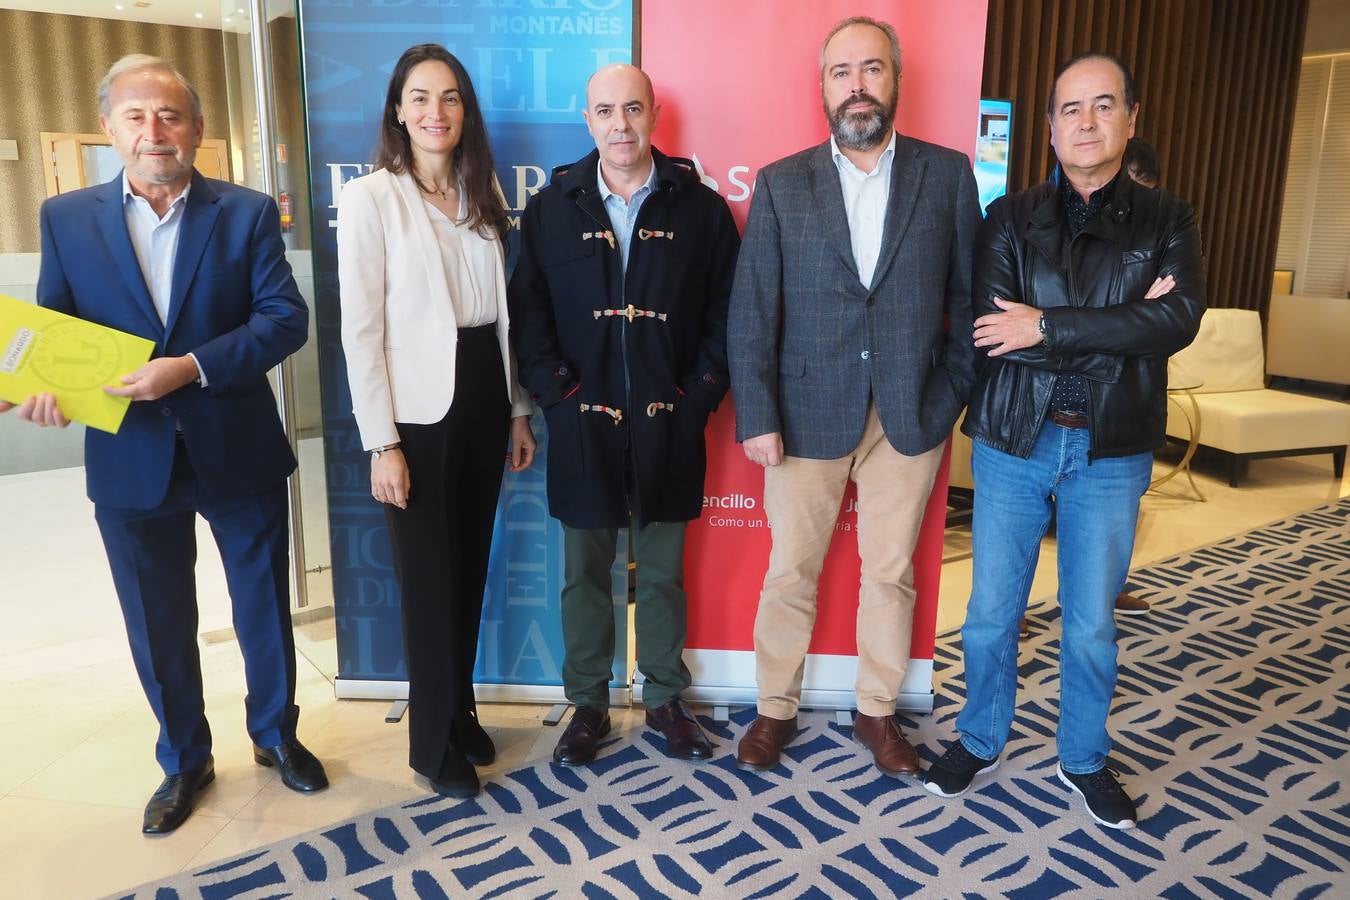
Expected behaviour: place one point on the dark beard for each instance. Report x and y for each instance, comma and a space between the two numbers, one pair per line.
861, 129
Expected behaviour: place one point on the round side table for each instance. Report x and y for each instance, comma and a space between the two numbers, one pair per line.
1191, 411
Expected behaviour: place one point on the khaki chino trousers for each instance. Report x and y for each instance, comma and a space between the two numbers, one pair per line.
801, 500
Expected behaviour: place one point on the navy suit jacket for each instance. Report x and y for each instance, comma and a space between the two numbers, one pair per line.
234, 304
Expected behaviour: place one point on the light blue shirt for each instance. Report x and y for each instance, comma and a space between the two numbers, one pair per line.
865, 196
622, 216
155, 240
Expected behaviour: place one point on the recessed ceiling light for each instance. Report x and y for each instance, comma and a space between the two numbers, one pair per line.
198, 15
119, 7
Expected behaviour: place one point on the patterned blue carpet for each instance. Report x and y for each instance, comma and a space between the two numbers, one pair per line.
1231, 724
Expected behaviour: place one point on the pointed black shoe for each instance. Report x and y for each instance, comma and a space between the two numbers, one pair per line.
300, 770
474, 739
457, 777
176, 798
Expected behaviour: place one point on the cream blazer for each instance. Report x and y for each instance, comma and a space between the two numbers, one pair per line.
398, 324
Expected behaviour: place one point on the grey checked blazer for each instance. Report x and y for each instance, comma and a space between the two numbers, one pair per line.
810, 346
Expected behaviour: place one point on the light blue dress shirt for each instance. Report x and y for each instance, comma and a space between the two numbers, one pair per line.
622, 216
155, 240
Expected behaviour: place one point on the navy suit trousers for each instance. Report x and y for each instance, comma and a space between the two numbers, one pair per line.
153, 554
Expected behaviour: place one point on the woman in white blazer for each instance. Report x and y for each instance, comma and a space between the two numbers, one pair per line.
424, 330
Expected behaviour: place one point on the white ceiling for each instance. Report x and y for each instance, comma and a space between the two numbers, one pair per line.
195, 13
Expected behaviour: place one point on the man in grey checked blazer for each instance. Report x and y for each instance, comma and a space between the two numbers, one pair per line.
851, 357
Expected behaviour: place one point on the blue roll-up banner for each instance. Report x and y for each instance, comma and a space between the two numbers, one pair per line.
529, 62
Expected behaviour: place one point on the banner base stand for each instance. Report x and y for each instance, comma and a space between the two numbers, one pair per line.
367, 689
555, 714
842, 701
397, 709
843, 718
727, 678
721, 699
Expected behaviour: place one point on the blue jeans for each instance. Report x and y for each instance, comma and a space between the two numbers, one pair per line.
1097, 507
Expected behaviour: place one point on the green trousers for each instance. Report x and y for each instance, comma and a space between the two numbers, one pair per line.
588, 612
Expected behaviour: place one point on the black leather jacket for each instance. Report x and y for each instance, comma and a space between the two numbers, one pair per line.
1097, 322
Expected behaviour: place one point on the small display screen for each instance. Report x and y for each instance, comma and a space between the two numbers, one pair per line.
991, 149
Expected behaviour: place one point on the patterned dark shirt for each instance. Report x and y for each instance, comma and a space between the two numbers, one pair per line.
1070, 393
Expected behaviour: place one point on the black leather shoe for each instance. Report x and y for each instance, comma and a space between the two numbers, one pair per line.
176, 797
300, 770
474, 739
576, 747
457, 777
684, 738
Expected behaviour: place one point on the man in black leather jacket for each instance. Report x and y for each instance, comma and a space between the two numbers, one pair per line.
1083, 287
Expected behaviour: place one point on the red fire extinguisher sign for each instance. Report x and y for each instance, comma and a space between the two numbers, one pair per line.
284, 205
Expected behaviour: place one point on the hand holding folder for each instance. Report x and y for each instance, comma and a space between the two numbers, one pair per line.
46, 352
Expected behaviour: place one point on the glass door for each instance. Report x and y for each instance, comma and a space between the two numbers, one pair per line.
261, 43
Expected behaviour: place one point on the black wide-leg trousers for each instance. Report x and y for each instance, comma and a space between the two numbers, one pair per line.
441, 544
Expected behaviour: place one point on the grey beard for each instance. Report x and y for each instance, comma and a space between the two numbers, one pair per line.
860, 131
161, 177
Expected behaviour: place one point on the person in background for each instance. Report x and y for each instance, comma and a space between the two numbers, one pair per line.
425, 333
1141, 162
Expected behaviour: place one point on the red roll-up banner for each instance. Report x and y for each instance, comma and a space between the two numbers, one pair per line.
739, 87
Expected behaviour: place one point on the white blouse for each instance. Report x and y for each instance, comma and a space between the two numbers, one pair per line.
399, 320
472, 269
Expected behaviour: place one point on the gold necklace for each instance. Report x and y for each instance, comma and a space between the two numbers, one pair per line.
443, 192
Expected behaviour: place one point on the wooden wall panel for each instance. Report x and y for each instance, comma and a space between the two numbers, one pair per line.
51, 82
1217, 81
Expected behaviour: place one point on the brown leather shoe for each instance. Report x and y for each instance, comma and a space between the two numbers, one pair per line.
881, 734
684, 739
576, 747
1130, 605
762, 744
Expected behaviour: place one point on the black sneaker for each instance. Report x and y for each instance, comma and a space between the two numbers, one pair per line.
1106, 800
951, 776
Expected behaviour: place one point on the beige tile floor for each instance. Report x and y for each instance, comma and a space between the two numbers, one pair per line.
76, 735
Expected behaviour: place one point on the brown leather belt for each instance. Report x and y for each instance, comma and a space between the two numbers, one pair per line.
1068, 419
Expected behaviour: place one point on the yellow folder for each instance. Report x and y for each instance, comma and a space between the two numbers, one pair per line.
44, 351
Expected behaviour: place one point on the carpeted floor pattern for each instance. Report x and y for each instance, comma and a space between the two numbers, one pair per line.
1231, 722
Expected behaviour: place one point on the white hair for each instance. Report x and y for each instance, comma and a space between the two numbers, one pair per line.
137, 62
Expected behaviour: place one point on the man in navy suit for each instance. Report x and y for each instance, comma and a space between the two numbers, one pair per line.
198, 267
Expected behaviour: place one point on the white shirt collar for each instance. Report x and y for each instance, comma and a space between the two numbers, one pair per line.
128, 192
606, 193
841, 160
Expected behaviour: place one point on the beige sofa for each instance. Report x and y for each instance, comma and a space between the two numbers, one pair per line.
1309, 338
1238, 413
